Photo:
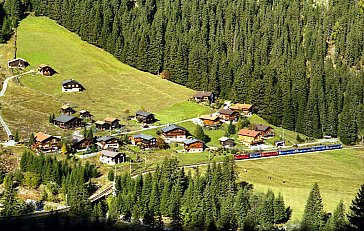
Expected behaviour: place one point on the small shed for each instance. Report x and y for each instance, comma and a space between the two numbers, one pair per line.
17, 63
67, 110
227, 142
145, 117
46, 70
102, 125
111, 157
71, 85
204, 96
85, 114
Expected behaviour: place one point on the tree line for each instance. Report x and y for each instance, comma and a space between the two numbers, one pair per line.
212, 200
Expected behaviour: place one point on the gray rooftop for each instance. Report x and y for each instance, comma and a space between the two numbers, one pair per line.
110, 153
69, 81
226, 111
191, 141
105, 138
64, 118
261, 127
143, 113
143, 136
172, 127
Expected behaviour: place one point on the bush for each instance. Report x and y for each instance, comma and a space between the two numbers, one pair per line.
299, 139
110, 175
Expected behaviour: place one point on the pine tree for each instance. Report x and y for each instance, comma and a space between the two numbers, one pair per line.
17, 137
313, 217
356, 213
31, 139
199, 133
337, 222
231, 128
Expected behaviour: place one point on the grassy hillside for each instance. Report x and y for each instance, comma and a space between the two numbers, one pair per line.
111, 86
338, 174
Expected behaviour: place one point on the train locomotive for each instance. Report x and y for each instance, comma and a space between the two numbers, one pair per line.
255, 155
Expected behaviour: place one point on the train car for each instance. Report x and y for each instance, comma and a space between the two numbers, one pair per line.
241, 156
319, 148
255, 155
334, 146
266, 154
303, 150
287, 152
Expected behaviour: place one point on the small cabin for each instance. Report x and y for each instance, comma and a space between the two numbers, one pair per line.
85, 114
111, 157
244, 109
108, 143
204, 96
210, 121
143, 141
250, 137
80, 143
265, 130
193, 145
145, 117
67, 110
228, 115
102, 125
67, 122
17, 63
46, 143
46, 70
71, 85
227, 142
174, 133
113, 122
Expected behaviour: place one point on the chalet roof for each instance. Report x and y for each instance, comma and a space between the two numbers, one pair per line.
191, 141
40, 136
209, 117
173, 127
110, 153
106, 138
200, 94
143, 136
17, 59
65, 118
100, 122
247, 132
84, 111
226, 112
70, 81
77, 139
43, 65
261, 127
143, 113
240, 106
65, 107
223, 139
110, 120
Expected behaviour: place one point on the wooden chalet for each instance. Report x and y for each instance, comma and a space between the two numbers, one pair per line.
145, 117
17, 63
143, 141
71, 85
111, 157
46, 70
228, 115
113, 122
193, 145
67, 122
204, 96
244, 109
174, 133
67, 110
108, 143
250, 137
265, 130
85, 114
210, 121
46, 143
80, 143
227, 142
102, 125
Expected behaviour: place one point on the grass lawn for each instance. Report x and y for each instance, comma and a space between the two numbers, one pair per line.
338, 173
111, 86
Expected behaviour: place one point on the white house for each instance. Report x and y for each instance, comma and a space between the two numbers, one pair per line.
108, 142
112, 158
71, 85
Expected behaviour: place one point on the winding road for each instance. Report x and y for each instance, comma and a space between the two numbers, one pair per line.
2, 93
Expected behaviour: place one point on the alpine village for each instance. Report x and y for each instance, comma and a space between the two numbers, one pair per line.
238, 115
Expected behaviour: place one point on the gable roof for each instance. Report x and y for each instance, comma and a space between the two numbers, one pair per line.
77, 139
110, 153
226, 112
106, 138
84, 111
240, 106
17, 59
172, 127
65, 118
65, 82
143, 113
143, 136
250, 133
110, 120
65, 107
100, 122
200, 94
261, 127
191, 141
223, 139
40, 136
209, 117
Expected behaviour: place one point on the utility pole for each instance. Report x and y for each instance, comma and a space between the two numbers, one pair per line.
114, 184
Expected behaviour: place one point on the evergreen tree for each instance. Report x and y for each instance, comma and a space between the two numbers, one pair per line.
313, 217
356, 213
199, 133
